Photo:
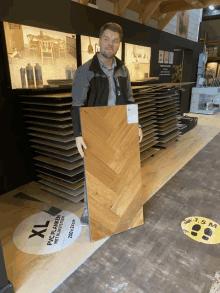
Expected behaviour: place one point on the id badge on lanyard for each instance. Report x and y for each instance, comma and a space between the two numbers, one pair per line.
118, 85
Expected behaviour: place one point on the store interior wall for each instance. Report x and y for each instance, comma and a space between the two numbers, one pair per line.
212, 28
16, 163
195, 17
17, 167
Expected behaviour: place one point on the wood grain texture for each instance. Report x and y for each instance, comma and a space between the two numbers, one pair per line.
50, 96
55, 150
61, 157
51, 124
112, 168
52, 131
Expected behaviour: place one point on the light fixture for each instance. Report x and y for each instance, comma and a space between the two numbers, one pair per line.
194, 2
211, 7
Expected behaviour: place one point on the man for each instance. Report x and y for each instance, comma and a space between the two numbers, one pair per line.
102, 81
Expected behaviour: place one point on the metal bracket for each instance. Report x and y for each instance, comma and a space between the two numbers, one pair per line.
8, 288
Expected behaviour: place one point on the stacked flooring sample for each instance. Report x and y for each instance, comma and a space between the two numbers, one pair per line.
58, 163
158, 107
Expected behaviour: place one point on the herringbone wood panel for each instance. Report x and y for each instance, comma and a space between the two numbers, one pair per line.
113, 171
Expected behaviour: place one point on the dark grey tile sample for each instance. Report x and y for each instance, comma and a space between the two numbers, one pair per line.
158, 257
22, 195
53, 211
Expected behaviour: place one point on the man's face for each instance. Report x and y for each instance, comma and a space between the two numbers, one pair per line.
109, 43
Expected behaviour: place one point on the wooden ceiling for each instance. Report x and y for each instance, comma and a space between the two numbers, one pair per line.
163, 11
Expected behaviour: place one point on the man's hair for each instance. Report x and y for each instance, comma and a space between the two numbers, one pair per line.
114, 27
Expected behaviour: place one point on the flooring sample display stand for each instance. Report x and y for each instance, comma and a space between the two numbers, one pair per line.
112, 169
146, 110
5, 285
49, 125
59, 166
165, 111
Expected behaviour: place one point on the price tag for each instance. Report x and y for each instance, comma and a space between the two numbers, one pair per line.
132, 113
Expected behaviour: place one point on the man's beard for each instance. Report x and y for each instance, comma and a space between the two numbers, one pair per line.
106, 55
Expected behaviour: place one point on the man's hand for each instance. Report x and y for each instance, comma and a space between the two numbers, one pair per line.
140, 134
80, 143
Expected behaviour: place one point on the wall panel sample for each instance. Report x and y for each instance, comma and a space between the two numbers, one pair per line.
112, 170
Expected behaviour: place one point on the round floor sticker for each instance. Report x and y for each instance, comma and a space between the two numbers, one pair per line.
43, 233
202, 230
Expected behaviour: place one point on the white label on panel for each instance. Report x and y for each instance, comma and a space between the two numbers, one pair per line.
132, 113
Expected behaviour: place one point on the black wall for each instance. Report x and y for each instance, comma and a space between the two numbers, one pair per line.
212, 29
16, 164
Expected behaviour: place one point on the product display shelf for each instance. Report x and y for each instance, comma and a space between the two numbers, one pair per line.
167, 101
59, 166
165, 112
146, 114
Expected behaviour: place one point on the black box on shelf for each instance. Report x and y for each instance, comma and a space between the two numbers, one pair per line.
190, 121
183, 128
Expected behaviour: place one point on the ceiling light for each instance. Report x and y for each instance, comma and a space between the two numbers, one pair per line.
194, 2
211, 7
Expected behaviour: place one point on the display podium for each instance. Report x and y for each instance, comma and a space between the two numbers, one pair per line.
112, 169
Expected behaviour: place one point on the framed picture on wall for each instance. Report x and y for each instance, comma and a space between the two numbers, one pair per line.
166, 57
137, 60
171, 57
160, 57
90, 46
39, 57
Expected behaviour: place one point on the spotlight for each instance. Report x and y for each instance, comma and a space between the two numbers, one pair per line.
211, 7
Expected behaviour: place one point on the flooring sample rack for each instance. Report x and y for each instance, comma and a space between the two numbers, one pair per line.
147, 116
58, 164
165, 114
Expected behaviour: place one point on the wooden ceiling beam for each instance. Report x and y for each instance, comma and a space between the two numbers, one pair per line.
196, 4
170, 6
166, 19
120, 6
210, 2
157, 15
84, 2
148, 11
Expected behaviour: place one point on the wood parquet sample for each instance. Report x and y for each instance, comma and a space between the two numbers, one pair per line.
51, 124
112, 170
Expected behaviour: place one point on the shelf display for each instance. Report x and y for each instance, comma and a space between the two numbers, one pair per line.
137, 60
39, 56
146, 110
58, 163
90, 46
